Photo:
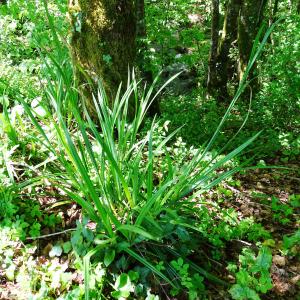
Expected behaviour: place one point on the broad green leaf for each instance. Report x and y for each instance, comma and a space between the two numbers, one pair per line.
109, 257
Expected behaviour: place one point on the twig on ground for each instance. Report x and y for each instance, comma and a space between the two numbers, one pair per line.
51, 234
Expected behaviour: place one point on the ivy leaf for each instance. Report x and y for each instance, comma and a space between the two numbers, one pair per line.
123, 282
120, 294
134, 276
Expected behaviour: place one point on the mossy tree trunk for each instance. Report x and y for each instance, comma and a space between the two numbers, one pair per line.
103, 43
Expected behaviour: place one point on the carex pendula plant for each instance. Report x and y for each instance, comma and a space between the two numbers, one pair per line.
108, 167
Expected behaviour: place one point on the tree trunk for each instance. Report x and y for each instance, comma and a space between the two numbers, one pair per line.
250, 20
140, 17
298, 7
241, 23
103, 43
275, 9
224, 66
212, 79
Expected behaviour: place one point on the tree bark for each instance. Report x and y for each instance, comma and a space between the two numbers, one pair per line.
224, 65
298, 7
140, 17
212, 79
275, 9
103, 44
250, 20
241, 24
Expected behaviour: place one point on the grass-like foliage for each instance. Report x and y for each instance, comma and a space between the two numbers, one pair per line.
100, 200
111, 170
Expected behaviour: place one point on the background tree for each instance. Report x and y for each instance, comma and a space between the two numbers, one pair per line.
103, 42
250, 19
224, 66
241, 23
212, 65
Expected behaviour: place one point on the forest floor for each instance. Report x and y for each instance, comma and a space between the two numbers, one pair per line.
38, 259
255, 193
255, 197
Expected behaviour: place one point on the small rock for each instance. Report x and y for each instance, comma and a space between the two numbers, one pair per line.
279, 260
294, 268
260, 185
184, 82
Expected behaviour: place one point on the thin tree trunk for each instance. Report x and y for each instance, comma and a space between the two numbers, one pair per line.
141, 20
225, 64
250, 20
275, 9
273, 17
212, 80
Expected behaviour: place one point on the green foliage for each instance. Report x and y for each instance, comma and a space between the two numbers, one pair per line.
172, 37
116, 169
82, 238
282, 212
25, 32
192, 283
123, 285
290, 243
146, 196
276, 107
7, 207
253, 275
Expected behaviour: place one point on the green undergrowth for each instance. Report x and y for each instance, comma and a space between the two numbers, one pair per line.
200, 118
119, 209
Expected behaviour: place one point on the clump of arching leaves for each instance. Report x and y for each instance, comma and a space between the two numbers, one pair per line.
143, 195
127, 184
